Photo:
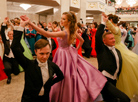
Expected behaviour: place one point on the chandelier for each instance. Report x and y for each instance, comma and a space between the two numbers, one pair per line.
25, 6
119, 2
131, 2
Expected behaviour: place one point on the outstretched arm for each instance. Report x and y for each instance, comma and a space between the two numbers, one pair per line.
3, 27
42, 31
18, 53
98, 37
110, 26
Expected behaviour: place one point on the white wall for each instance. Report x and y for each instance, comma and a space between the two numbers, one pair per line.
33, 17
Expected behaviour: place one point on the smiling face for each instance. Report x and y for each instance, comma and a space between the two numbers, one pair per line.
43, 53
109, 40
64, 20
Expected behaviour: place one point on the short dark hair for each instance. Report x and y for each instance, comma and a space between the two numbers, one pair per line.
41, 43
106, 33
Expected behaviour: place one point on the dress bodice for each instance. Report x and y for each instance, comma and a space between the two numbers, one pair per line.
63, 42
116, 31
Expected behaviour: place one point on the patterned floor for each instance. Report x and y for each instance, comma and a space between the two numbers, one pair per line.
13, 91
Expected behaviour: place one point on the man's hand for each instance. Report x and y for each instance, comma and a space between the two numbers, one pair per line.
23, 23
25, 18
105, 17
6, 20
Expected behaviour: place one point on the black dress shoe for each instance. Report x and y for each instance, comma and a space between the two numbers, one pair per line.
8, 81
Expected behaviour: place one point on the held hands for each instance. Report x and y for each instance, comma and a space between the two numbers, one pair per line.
6, 20
105, 17
24, 20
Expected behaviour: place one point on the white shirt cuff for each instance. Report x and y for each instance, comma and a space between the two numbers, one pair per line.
19, 28
104, 23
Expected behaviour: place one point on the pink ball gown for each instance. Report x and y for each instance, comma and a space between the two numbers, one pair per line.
82, 82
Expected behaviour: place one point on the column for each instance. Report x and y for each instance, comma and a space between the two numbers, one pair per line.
3, 10
58, 11
97, 18
82, 12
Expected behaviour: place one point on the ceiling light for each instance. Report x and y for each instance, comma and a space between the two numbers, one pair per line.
25, 6
131, 2
119, 2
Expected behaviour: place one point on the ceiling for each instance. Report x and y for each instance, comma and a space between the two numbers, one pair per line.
38, 2
124, 4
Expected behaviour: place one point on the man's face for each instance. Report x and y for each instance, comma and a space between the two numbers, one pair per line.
43, 54
10, 35
109, 40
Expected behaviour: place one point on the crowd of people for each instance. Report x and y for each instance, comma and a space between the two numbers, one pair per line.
52, 59
127, 10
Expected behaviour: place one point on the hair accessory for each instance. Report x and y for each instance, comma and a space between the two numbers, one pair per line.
70, 13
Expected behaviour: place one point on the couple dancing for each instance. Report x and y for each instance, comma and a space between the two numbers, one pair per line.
82, 82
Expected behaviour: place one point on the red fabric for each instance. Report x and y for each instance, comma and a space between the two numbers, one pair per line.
2, 73
80, 49
93, 33
54, 51
31, 34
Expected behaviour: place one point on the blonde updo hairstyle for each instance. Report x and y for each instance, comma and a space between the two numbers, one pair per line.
73, 24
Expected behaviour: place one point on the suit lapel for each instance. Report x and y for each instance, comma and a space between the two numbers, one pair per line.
120, 59
50, 69
38, 70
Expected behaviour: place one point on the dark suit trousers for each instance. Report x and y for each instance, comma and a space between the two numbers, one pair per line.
26, 98
111, 81
111, 94
11, 66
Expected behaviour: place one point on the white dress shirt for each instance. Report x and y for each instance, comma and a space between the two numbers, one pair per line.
105, 73
50, 42
10, 55
45, 74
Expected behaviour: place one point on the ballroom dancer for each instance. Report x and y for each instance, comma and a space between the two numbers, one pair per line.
93, 33
128, 79
10, 63
82, 82
111, 67
40, 74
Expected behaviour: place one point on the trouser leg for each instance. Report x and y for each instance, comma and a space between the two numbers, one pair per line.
112, 94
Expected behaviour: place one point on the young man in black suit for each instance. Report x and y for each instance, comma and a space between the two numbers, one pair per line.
40, 74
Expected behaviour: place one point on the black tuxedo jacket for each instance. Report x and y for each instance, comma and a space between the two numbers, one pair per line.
106, 58
87, 42
7, 42
33, 76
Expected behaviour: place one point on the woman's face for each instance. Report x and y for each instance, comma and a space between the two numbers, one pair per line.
93, 26
30, 27
64, 21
